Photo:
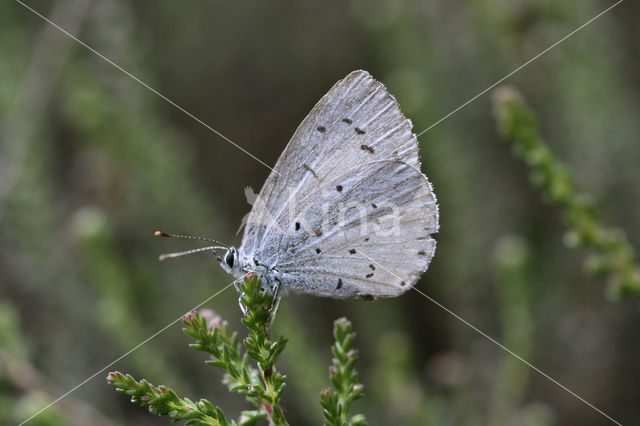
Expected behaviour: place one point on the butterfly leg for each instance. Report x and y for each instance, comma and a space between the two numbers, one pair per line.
237, 283
275, 304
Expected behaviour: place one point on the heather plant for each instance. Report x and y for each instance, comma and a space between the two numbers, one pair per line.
611, 253
250, 369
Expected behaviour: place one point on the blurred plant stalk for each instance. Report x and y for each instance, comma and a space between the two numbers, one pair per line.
24, 390
612, 255
512, 262
21, 124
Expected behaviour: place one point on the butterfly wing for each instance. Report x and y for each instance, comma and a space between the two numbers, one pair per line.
355, 146
374, 238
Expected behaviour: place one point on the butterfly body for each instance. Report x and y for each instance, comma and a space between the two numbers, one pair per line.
237, 264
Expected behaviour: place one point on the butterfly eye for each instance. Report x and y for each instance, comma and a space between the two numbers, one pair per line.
228, 259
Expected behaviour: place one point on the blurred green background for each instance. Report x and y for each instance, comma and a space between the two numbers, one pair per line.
91, 163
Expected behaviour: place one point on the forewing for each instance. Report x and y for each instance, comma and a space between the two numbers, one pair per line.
351, 167
356, 122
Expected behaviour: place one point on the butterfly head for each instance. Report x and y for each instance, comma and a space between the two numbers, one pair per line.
230, 262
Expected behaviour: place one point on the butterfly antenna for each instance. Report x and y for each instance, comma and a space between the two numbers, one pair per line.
184, 253
189, 237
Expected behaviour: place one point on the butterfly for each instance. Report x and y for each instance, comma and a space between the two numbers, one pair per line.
346, 210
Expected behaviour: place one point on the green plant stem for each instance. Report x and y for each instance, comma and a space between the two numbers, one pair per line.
262, 348
164, 402
512, 264
337, 400
264, 385
612, 253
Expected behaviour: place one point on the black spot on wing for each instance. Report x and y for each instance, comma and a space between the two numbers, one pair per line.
422, 253
373, 268
374, 206
369, 275
310, 170
321, 129
352, 251
347, 120
339, 188
339, 284
359, 131
367, 148
318, 251
297, 226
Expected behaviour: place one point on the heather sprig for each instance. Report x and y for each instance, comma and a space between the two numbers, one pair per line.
262, 348
260, 381
345, 389
262, 384
612, 254
214, 337
164, 402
